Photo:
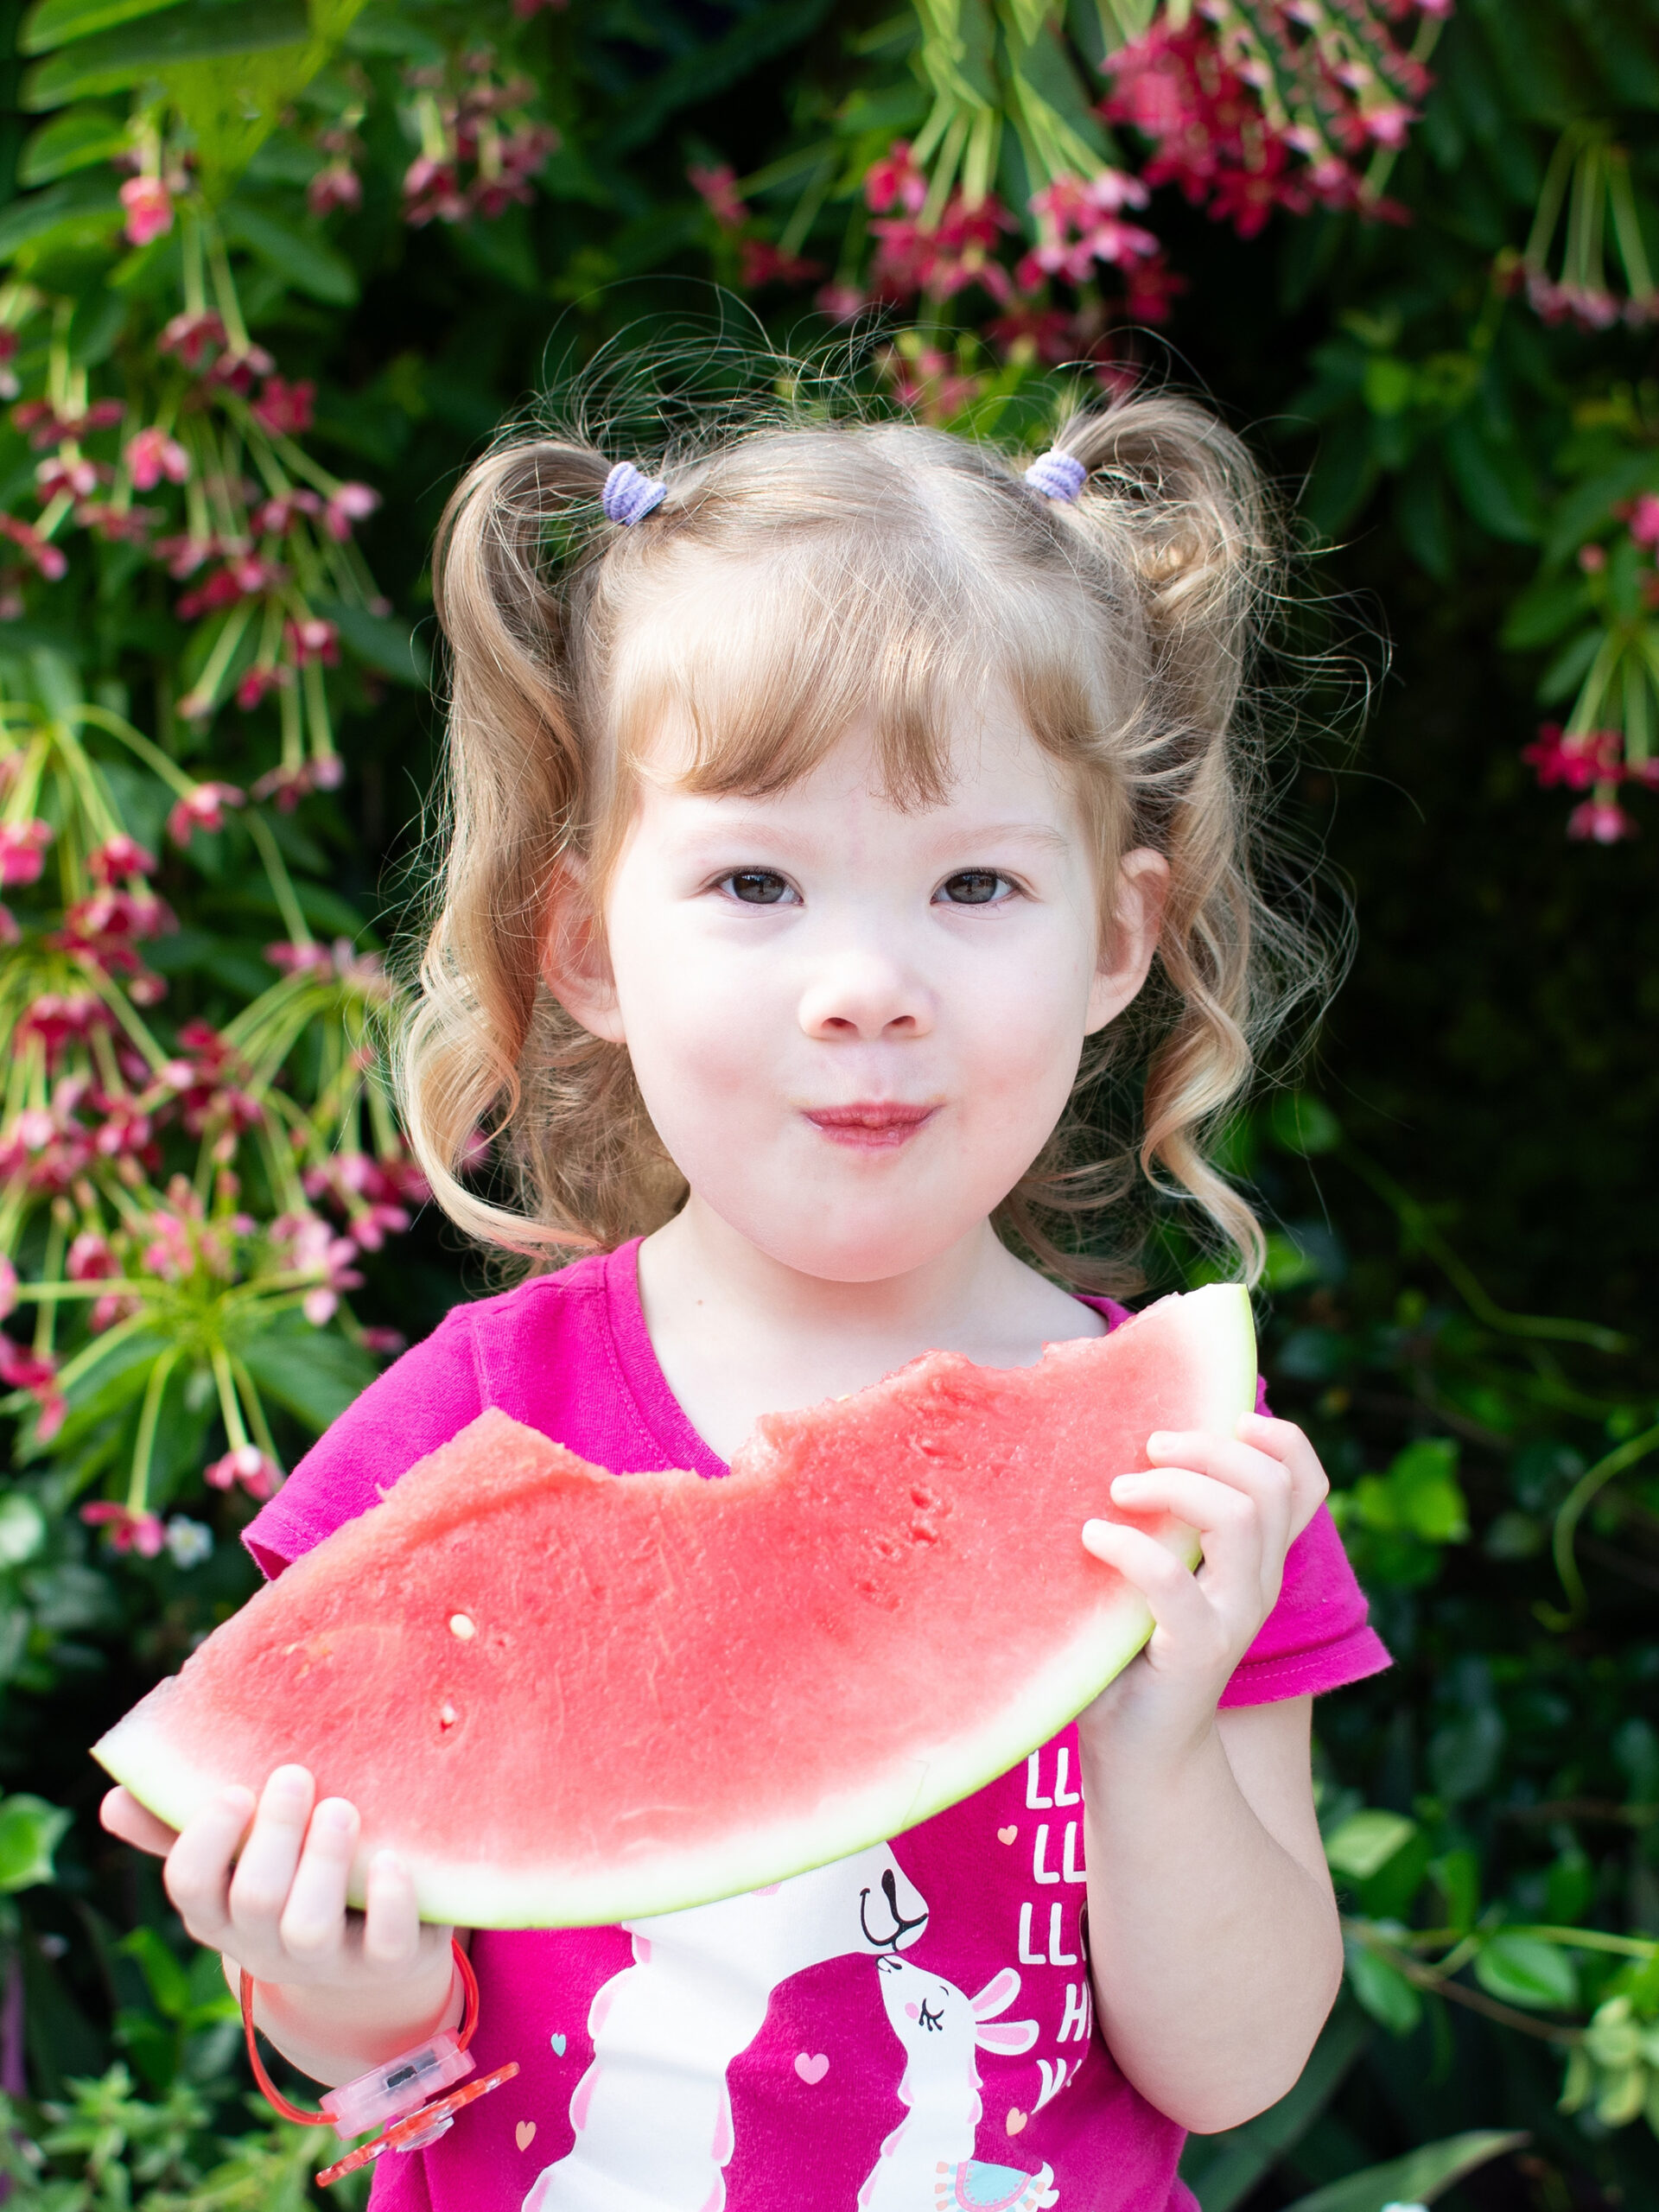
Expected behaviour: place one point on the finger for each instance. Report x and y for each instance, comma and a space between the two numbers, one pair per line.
122, 1815
1258, 1475
1243, 1542
313, 1923
1221, 1513
391, 1919
1179, 1607
1284, 1441
197, 1875
264, 1873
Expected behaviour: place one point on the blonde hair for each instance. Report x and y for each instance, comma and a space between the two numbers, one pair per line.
900, 570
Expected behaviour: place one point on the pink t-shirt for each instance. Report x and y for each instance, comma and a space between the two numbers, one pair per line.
906, 2030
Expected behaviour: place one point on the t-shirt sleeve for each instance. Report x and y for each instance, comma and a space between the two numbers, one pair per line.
421, 1401
1316, 1636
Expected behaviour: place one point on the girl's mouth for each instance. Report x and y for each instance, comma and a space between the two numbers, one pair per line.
870, 1125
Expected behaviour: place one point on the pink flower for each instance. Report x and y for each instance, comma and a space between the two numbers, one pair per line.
118, 856
255, 685
1601, 820
22, 849
348, 503
192, 337
300, 959
90, 1258
152, 454
895, 180
386, 1343
48, 558
336, 186
7, 1288
313, 639
67, 472
258, 1474
150, 208
1592, 756
201, 808
285, 409
128, 1532
718, 189
1644, 519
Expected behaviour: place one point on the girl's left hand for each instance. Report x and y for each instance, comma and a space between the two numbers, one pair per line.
1249, 1496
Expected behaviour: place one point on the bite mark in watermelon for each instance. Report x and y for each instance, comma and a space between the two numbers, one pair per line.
568, 1697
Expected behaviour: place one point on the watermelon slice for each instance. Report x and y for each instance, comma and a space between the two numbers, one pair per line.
572, 1698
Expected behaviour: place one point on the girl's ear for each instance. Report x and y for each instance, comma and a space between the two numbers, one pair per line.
574, 965
1132, 938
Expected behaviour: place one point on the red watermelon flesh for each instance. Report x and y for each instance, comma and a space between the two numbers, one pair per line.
569, 1697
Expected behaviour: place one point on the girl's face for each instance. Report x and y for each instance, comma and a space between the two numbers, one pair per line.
855, 1027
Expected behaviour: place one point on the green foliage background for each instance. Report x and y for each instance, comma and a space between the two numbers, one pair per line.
1469, 1151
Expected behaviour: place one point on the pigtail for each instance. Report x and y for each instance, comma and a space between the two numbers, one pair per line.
1174, 509
484, 1042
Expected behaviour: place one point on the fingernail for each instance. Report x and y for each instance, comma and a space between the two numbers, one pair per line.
334, 1814
236, 1799
1160, 1440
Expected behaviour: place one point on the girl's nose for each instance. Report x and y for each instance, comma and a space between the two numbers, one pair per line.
864, 996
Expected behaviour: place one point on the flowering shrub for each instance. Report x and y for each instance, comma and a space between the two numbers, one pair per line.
256, 305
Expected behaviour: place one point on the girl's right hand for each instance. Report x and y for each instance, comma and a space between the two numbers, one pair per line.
265, 1885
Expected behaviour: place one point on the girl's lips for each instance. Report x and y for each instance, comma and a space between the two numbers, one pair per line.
870, 1125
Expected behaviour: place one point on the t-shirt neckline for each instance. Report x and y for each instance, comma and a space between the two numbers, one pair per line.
642, 1374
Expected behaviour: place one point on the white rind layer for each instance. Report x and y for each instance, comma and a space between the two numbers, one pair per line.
143, 1753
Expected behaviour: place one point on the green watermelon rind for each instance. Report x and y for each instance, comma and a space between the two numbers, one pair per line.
140, 1752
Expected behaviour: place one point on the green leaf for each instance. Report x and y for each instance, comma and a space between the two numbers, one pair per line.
1418, 2178
299, 258
1582, 512
1365, 1842
1522, 1970
1543, 611
23, 1528
1384, 1991
1570, 666
1429, 1498
313, 1372
705, 70
1301, 1123
90, 201
168, 1982
29, 1830
195, 30
58, 23
381, 642
76, 140
1492, 481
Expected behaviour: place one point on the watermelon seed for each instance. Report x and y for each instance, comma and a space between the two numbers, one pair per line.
461, 1626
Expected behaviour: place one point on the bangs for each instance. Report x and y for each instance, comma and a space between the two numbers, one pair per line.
760, 667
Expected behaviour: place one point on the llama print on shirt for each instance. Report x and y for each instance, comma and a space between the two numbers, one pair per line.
653, 2114
927, 2164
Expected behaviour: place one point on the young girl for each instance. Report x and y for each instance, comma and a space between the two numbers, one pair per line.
818, 814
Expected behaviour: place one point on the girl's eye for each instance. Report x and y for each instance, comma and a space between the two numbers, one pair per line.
757, 887
971, 887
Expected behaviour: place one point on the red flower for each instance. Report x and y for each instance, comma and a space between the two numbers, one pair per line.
336, 186
246, 1463
895, 180
313, 639
48, 558
760, 263
201, 808
192, 337
255, 685
1601, 819
119, 855
285, 409
128, 1532
22, 849
1644, 519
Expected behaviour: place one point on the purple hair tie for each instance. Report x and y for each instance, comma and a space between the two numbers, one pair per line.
1057, 475
629, 493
